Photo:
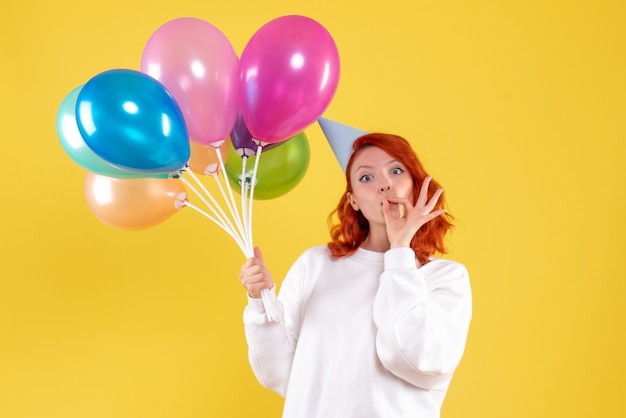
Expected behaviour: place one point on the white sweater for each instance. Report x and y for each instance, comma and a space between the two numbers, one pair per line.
367, 335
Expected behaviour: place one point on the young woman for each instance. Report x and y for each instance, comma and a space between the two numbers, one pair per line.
372, 324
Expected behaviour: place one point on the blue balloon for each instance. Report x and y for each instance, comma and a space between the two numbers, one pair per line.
75, 146
130, 120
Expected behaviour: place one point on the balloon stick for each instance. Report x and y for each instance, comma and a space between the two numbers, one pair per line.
223, 219
236, 238
230, 200
252, 185
245, 187
269, 300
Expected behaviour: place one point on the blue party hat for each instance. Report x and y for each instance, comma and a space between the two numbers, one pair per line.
340, 137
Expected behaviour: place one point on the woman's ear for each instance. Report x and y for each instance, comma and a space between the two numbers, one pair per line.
352, 201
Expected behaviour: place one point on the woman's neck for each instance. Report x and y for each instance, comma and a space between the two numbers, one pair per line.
376, 240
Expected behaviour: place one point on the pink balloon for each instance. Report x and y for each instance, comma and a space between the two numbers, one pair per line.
288, 74
198, 65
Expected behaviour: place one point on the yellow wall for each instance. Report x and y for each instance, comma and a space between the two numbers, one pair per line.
517, 107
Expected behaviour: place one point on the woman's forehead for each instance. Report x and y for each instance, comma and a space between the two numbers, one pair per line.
370, 157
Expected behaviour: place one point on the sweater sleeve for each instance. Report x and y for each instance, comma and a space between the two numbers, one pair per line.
422, 324
271, 345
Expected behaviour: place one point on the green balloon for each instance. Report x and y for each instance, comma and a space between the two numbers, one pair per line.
280, 168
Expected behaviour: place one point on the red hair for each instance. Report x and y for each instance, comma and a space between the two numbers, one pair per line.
352, 228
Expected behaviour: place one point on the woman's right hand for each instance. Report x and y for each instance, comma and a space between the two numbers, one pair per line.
254, 275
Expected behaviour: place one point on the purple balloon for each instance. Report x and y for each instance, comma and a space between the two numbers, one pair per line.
243, 142
288, 75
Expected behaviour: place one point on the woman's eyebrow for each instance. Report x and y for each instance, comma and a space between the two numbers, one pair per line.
367, 166
362, 166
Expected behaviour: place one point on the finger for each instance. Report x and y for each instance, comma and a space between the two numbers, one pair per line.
257, 253
402, 204
433, 200
386, 208
433, 215
256, 268
252, 279
423, 196
395, 209
249, 262
399, 200
401, 211
253, 274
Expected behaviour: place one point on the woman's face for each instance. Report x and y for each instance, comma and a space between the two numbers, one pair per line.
374, 176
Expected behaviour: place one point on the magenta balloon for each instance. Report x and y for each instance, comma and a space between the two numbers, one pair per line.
198, 65
288, 75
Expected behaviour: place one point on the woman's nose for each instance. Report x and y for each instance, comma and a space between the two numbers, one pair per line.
384, 188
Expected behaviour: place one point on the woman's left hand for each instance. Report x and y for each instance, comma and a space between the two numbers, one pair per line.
403, 219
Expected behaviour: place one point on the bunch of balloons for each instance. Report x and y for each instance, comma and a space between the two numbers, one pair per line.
195, 107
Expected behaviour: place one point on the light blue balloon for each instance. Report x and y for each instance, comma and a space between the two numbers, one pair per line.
75, 146
130, 120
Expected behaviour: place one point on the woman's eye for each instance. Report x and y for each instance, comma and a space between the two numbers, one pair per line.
397, 170
365, 178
